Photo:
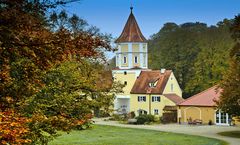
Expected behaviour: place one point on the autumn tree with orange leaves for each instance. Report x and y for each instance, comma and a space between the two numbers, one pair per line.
51, 73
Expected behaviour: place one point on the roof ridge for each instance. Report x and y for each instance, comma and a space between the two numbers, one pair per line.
197, 94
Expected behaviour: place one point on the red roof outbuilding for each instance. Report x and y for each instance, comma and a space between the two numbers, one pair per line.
205, 98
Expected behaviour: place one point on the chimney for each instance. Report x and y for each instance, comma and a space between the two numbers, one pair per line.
162, 70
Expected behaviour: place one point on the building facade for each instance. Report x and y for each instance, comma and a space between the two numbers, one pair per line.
146, 91
202, 106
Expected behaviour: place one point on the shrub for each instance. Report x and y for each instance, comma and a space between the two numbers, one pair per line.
131, 115
156, 119
103, 113
210, 122
142, 119
119, 117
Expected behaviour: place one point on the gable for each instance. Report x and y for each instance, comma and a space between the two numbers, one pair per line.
172, 86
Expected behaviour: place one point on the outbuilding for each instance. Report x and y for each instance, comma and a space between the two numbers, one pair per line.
202, 108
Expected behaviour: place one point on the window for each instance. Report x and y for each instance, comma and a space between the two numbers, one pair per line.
144, 59
171, 87
153, 84
141, 98
141, 112
125, 59
156, 99
125, 73
135, 59
156, 112
125, 82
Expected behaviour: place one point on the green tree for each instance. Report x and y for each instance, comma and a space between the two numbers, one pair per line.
71, 91
230, 97
211, 60
34, 83
195, 52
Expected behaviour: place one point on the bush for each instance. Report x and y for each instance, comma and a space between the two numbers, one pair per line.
103, 113
119, 117
143, 119
156, 119
131, 115
210, 122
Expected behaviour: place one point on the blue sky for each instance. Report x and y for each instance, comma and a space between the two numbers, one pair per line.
111, 15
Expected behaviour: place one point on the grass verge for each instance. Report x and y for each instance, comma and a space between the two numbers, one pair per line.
110, 135
235, 134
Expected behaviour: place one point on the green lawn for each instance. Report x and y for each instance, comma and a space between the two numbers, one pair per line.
235, 134
109, 135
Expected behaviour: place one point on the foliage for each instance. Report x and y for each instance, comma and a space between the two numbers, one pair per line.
210, 122
72, 91
230, 97
119, 117
51, 72
13, 129
132, 114
196, 53
145, 118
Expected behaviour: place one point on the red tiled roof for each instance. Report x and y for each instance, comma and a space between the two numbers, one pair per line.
141, 85
205, 98
131, 32
175, 98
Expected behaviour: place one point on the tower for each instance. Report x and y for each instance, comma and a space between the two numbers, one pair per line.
131, 59
132, 46
146, 91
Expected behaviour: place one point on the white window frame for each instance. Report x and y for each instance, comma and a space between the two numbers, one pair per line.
156, 112
219, 113
141, 98
155, 99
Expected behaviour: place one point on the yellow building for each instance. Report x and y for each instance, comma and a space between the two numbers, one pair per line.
202, 106
146, 91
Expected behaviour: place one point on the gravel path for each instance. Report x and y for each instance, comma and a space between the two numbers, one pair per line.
200, 130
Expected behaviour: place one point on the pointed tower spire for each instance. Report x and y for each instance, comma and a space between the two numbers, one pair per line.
131, 31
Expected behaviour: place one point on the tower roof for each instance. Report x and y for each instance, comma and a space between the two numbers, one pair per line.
131, 31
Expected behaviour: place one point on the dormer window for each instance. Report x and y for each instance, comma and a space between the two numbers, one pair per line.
153, 84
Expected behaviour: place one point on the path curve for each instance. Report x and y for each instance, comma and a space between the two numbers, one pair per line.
200, 130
